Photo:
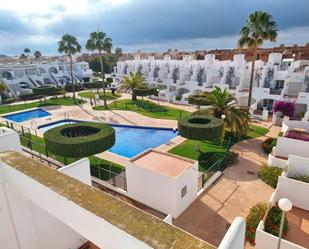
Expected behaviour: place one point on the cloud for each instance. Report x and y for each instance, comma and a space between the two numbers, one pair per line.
151, 24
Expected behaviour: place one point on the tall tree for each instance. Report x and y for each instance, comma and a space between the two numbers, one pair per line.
70, 46
23, 56
118, 52
2, 89
37, 54
132, 81
221, 104
259, 27
100, 42
27, 51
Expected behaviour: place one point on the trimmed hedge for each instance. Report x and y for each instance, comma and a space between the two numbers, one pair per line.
80, 139
109, 80
69, 87
29, 96
200, 127
272, 223
198, 100
144, 91
94, 85
45, 90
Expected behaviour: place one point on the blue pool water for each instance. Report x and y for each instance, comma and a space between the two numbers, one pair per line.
27, 115
130, 140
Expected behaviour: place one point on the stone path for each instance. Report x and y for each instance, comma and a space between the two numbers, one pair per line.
232, 195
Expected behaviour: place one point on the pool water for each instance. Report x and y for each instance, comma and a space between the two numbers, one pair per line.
130, 140
27, 115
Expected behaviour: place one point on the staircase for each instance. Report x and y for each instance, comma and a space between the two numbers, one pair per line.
268, 78
258, 77
307, 81
229, 76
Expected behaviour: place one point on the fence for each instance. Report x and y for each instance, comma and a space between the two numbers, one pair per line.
217, 166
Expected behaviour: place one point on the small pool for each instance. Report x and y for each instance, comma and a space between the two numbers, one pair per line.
130, 140
27, 115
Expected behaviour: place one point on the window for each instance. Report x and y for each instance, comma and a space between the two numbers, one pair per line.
183, 191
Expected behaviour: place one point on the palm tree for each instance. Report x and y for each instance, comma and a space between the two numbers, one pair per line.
221, 104
23, 56
118, 52
27, 51
134, 80
259, 27
70, 46
99, 41
37, 54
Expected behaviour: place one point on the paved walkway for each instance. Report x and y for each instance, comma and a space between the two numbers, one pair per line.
232, 195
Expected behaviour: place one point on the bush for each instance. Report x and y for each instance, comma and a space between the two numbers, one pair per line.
80, 139
198, 100
94, 85
232, 157
29, 96
302, 178
268, 144
144, 91
272, 223
178, 97
109, 80
69, 87
269, 175
287, 108
8, 100
45, 90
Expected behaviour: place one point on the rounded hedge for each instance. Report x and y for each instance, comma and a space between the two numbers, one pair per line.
144, 91
197, 100
200, 127
69, 87
80, 139
45, 90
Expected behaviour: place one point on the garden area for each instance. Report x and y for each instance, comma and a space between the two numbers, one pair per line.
38, 144
146, 108
212, 150
66, 101
108, 95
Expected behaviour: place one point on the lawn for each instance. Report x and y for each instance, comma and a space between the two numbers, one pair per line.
146, 108
108, 95
38, 145
67, 101
210, 151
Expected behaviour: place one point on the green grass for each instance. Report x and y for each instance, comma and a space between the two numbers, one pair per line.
146, 108
38, 145
210, 151
91, 95
54, 101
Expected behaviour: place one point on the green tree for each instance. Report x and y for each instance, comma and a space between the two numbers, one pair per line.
23, 56
37, 54
2, 89
221, 104
259, 27
27, 51
70, 46
132, 81
100, 42
118, 52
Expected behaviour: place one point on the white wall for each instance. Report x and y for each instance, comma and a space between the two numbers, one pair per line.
286, 146
79, 170
9, 140
268, 241
291, 124
235, 236
85, 223
162, 192
298, 166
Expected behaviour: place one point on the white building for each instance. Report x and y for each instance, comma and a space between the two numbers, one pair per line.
275, 80
21, 78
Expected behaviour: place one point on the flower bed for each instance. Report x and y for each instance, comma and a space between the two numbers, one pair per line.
304, 136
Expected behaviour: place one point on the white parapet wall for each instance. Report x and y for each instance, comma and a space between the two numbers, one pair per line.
266, 240
9, 140
288, 146
292, 124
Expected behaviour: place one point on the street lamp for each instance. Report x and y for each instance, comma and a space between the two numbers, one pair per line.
285, 205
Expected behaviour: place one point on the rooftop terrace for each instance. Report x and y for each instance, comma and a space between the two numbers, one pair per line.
133, 221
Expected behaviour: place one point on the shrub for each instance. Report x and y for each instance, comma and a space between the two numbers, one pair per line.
94, 85
272, 223
268, 144
45, 90
29, 96
287, 108
80, 139
144, 91
269, 175
198, 100
8, 100
178, 97
69, 87
109, 80
302, 178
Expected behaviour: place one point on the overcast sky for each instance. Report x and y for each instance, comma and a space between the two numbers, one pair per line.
151, 25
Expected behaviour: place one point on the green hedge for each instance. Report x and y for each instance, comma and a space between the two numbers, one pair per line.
92, 85
198, 100
69, 87
109, 80
29, 96
45, 90
200, 127
71, 140
144, 91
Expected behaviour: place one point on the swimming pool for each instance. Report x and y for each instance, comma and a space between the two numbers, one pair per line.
27, 115
130, 140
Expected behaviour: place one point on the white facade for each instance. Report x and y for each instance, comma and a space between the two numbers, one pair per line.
21, 78
9, 139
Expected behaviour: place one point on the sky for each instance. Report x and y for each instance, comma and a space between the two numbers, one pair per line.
147, 25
